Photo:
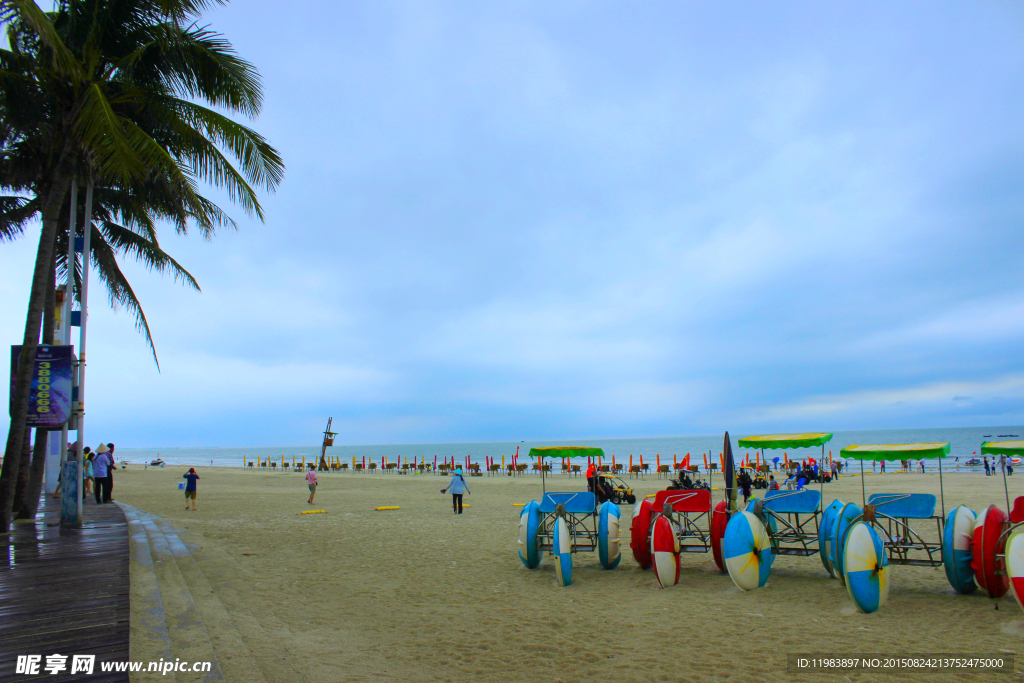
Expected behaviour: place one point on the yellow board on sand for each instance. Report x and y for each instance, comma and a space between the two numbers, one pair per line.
314, 512
387, 507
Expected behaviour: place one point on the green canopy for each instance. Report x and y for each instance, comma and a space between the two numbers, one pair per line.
896, 451
566, 452
1002, 448
785, 440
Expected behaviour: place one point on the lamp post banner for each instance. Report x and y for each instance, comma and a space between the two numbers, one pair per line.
49, 404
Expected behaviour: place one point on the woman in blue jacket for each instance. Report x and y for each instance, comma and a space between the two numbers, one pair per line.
456, 486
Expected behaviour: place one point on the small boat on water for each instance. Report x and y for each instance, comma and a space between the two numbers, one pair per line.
1003, 435
973, 461
158, 462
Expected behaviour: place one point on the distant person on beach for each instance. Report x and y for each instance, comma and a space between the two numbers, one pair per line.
90, 475
745, 482
772, 484
882, 467
102, 465
190, 478
312, 481
592, 478
110, 472
988, 470
456, 486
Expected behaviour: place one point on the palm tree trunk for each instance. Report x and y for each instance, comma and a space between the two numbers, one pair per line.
16, 434
27, 501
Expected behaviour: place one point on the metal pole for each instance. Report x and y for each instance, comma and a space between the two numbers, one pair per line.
942, 493
1005, 488
87, 233
821, 478
69, 295
863, 496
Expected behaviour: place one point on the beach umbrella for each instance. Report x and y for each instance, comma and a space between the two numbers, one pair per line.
502, 461
613, 461
675, 466
758, 457
705, 460
630, 462
641, 461
730, 473
657, 460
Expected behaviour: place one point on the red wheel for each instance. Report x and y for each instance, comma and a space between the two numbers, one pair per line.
665, 552
719, 520
987, 529
640, 534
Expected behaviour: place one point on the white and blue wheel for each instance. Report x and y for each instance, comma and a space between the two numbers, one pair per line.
866, 567
608, 535
748, 551
768, 520
529, 526
828, 518
844, 518
957, 549
562, 552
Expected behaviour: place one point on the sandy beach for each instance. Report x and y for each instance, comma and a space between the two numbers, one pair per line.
420, 594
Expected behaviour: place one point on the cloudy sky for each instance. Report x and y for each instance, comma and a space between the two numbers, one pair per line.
535, 220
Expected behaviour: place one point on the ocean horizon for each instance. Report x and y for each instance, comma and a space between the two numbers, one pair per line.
964, 443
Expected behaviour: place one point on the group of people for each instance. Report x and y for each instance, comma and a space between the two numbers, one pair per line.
1007, 467
99, 472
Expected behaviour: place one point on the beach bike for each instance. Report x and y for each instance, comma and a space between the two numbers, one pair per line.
677, 521
566, 523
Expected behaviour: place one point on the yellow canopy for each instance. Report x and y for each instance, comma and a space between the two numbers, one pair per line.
894, 451
1003, 448
785, 440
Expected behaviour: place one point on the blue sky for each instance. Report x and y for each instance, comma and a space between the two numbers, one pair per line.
531, 220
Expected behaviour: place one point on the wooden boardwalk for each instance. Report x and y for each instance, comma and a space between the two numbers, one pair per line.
65, 591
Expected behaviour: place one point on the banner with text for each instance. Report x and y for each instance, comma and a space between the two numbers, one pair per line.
49, 403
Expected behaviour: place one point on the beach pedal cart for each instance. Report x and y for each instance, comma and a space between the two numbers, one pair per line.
997, 547
888, 530
781, 523
564, 524
678, 521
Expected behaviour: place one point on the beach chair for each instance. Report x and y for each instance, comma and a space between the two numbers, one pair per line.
575, 470
521, 469
565, 468
493, 469
344, 466
616, 468
664, 471
373, 466
634, 471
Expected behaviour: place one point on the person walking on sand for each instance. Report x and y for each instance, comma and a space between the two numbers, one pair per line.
311, 480
456, 486
190, 478
988, 471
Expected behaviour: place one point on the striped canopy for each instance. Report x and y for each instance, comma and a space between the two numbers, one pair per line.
785, 440
896, 451
1003, 448
566, 452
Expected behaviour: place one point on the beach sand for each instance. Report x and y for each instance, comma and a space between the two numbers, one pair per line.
420, 594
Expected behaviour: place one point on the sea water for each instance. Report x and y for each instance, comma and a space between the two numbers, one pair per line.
965, 443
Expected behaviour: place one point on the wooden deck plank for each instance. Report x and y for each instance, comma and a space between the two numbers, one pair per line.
65, 591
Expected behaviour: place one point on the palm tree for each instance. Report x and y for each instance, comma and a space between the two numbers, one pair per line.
111, 94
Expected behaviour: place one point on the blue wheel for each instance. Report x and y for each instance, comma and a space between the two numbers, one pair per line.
748, 552
844, 518
866, 566
529, 526
828, 519
562, 551
957, 545
608, 535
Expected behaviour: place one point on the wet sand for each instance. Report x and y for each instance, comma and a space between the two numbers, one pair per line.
420, 594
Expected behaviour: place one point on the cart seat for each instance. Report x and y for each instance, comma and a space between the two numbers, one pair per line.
698, 500
576, 502
904, 505
1017, 513
802, 502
